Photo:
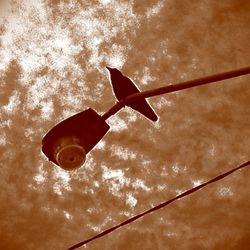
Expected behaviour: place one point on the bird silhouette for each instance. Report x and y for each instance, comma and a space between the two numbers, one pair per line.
123, 87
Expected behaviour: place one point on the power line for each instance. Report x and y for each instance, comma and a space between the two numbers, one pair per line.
176, 87
164, 204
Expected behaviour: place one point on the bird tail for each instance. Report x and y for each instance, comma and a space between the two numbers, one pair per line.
143, 107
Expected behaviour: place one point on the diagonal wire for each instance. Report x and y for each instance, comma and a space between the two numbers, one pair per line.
164, 204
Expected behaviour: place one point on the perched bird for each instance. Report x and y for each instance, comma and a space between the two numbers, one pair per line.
123, 87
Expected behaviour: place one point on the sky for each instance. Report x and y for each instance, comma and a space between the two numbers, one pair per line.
53, 58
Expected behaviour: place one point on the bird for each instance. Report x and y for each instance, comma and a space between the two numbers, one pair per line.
123, 87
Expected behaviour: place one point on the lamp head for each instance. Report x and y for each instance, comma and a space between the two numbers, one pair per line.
68, 143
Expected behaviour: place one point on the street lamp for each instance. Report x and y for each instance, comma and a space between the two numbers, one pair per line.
68, 143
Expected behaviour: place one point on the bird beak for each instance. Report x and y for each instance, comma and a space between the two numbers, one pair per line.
108, 68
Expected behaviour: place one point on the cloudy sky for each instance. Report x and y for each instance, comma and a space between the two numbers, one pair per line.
53, 57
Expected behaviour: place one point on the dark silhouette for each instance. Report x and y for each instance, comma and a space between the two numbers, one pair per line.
170, 88
69, 141
124, 87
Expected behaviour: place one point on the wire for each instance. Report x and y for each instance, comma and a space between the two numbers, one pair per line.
176, 87
164, 204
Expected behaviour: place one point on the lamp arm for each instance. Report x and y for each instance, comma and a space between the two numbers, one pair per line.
175, 87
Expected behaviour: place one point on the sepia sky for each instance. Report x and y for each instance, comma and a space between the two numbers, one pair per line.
53, 57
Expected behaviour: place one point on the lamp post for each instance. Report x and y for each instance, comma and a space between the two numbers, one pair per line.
69, 141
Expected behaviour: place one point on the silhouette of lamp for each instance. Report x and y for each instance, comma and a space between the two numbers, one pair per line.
68, 143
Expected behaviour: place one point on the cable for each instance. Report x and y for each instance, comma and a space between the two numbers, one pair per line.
176, 87
188, 192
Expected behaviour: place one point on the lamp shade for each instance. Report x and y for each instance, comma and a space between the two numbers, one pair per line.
68, 143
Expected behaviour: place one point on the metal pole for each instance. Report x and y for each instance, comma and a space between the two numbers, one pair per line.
176, 87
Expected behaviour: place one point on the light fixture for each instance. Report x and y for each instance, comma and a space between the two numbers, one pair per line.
68, 143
